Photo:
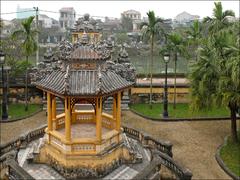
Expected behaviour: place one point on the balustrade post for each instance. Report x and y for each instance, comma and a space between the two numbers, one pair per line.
67, 119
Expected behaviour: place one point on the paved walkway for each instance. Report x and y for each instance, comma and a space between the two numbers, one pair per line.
194, 143
10, 131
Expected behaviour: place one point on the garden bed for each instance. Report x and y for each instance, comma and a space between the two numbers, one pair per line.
182, 112
229, 157
17, 111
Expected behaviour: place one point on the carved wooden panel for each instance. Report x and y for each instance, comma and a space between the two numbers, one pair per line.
85, 66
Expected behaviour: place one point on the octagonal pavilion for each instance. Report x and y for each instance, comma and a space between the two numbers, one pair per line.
79, 138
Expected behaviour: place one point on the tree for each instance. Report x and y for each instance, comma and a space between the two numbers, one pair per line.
150, 30
215, 78
175, 45
194, 37
219, 19
29, 46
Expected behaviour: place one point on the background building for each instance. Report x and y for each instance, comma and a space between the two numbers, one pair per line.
185, 18
135, 16
67, 17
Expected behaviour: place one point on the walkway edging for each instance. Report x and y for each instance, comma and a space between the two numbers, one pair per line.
20, 118
182, 119
222, 164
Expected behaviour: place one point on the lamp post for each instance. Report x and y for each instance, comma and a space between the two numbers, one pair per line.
4, 89
165, 97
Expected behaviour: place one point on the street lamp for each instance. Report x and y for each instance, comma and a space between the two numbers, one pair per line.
166, 58
4, 89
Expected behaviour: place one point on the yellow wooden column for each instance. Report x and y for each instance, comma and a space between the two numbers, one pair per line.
114, 106
53, 107
67, 119
118, 117
49, 111
99, 119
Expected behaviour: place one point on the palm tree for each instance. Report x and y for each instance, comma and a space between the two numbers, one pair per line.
29, 46
150, 30
215, 78
219, 19
194, 34
175, 44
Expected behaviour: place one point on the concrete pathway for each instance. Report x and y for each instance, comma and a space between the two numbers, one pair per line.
10, 131
194, 143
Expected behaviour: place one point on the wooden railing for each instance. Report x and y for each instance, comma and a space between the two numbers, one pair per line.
84, 116
108, 121
59, 122
83, 145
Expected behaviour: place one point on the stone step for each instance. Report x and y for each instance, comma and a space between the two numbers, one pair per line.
42, 171
123, 172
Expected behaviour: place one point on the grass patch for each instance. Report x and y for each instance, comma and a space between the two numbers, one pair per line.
230, 154
181, 111
18, 110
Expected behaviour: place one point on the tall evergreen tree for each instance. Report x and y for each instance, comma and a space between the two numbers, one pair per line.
150, 30
29, 46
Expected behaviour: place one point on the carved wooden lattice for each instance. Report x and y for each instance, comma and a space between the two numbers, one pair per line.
83, 101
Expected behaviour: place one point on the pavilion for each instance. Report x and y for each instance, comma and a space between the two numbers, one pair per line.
78, 138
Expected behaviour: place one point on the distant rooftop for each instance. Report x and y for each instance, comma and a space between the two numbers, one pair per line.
67, 9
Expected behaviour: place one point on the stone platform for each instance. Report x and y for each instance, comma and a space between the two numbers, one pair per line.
124, 171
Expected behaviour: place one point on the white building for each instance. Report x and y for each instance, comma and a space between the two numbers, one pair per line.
67, 17
45, 21
185, 17
135, 16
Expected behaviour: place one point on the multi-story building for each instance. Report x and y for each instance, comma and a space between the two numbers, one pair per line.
25, 12
67, 17
185, 18
132, 14
135, 16
45, 21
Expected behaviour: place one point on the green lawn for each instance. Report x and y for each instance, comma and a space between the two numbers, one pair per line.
182, 111
17, 110
230, 154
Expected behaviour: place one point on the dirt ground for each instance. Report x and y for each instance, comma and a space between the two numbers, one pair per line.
194, 143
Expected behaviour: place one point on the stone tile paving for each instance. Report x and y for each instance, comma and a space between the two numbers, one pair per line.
83, 130
42, 171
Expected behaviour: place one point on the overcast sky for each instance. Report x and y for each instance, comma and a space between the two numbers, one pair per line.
165, 9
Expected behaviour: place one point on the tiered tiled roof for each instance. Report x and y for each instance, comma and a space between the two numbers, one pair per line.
83, 82
84, 71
